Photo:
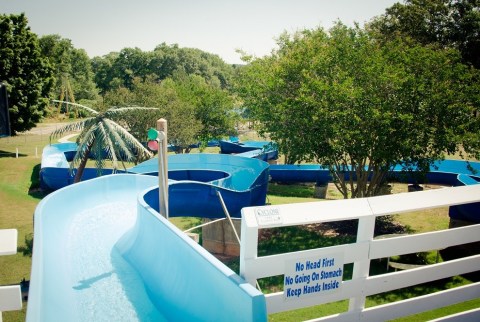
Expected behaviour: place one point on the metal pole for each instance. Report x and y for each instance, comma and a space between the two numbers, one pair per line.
203, 225
227, 214
163, 168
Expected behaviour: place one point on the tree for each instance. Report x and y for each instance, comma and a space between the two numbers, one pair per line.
212, 106
446, 23
102, 137
104, 73
120, 69
27, 73
71, 66
358, 108
183, 128
196, 111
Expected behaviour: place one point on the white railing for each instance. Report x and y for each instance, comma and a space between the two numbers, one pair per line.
303, 270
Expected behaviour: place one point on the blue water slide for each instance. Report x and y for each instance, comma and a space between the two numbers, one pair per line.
441, 172
54, 168
241, 181
199, 178
102, 253
234, 147
446, 172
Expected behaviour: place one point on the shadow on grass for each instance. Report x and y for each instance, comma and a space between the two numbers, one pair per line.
28, 248
8, 154
291, 190
296, 238
34, 190
416, 290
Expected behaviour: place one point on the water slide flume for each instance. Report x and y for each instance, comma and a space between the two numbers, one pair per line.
103, 253
195, 180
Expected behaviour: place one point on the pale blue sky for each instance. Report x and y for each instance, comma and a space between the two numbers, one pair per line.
215, 26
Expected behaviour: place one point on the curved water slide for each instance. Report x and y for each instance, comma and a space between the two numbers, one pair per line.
54, 169
199, 179
103, 253
262, 150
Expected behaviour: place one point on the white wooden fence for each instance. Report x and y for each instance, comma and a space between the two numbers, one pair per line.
365, 249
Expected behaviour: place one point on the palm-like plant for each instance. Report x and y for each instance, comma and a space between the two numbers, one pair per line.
103, 138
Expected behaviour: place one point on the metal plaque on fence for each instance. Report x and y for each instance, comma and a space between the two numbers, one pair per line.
268, 216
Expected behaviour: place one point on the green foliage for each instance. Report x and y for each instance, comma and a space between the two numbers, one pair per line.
27, 250
360, 107
69, 64
121, 69
196, 111
212, 106
447, 23
25, 71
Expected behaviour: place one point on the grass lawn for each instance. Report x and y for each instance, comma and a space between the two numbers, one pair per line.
19, 195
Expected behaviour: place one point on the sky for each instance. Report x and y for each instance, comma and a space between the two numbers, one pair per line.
215, 26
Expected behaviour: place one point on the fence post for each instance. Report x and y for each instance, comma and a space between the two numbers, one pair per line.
366, 229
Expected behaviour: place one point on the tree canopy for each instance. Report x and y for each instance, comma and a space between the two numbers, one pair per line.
359, 108
196, 110
70, 65
120, 69
447, 23
26, 72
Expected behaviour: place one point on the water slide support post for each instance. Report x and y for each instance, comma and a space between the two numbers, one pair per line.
162, 167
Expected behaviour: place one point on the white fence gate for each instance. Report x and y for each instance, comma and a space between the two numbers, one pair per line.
314, 277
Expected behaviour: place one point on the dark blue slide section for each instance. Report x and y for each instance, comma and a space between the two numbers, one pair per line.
196, 179
448, 172
54, 169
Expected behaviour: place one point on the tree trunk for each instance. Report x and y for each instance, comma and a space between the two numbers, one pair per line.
83, 163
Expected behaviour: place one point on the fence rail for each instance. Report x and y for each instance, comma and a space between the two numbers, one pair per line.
360, 253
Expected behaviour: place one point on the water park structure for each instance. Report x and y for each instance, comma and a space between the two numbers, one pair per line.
104, 250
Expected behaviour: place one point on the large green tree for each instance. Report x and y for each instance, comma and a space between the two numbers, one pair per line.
72, 67
360, 108
120, 69
104, 73
212, 106
447, 23
196, 110
25, 71
103, 138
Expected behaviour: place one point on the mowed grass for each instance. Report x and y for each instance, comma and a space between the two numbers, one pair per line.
19, 196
